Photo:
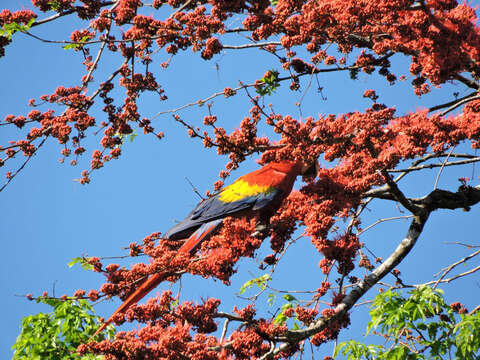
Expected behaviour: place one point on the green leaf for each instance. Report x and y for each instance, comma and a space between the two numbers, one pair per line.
83, 261
290, 298
77, 45
269, 83
271, 299
54, 5
11, 28
70, 46
260, 282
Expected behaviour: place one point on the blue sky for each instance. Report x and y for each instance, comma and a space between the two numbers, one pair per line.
47, 218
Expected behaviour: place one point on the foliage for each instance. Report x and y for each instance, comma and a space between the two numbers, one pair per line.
11, 28
77, 45
260, 282
268, 84
420, 326
57, 335
82, 261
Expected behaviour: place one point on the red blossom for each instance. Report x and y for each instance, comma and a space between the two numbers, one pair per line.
79, 293
93, 295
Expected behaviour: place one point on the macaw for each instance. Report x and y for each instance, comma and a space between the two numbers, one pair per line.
257, 194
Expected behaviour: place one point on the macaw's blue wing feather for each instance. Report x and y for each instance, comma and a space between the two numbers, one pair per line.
266, 199
238, 197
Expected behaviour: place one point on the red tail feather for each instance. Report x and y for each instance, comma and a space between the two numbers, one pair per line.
198, 236
154, 280
151, 283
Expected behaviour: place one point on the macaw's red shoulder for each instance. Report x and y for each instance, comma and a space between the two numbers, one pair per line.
280, 175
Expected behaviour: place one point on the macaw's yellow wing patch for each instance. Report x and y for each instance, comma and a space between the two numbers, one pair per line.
241, 189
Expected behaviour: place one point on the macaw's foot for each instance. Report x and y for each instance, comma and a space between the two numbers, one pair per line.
261, 231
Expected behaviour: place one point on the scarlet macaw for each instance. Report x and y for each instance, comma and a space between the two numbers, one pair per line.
257, 194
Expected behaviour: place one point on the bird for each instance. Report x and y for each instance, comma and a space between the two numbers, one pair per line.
257, 194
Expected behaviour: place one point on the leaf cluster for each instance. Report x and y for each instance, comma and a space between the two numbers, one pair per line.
56, 335
83, 261
268, 83
420, 326
11, 28
77, 45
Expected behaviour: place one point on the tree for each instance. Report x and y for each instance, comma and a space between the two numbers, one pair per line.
364, 155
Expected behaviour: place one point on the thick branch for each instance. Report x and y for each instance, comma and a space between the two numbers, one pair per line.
464, 197
350, 300
451, 103
398, 195
470, 83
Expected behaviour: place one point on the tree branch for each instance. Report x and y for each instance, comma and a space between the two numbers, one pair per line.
350, 300
452, 266
67, 12
450, 103
463, 198
431, 166
470, 83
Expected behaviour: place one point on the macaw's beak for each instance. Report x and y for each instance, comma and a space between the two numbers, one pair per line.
310, 169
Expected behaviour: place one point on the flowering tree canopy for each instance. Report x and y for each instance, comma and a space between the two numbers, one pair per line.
363, 155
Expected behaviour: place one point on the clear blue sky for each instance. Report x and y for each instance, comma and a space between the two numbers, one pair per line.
47, 219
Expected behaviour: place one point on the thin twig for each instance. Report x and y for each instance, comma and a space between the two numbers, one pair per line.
24, 163
195, 190
109, 80
441, 168
466, 245
305, 92
253, 45
383, 220
436, 282
66, 12
474, 310
224, 331
431, 166
179, 9
100, 51
454, 265
245, 86
198, 102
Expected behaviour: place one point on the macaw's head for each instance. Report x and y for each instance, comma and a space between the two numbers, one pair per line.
309, 168
296, 167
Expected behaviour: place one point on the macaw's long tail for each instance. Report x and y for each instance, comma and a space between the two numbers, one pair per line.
154, 280
136, 296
